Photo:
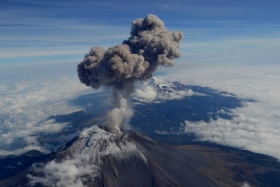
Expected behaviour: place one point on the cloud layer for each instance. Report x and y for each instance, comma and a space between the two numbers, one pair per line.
69, 172
27, 104
254, 127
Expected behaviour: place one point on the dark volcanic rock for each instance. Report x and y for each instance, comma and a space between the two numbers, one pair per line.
98, 158
10, 166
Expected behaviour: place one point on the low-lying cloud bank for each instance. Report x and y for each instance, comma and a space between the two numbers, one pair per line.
71, 172
26, 106
254, 127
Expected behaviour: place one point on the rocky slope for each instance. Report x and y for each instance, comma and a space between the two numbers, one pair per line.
99, 158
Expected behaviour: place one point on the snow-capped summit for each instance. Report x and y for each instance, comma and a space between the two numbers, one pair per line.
158, 90
156, 82
86, 156
164, 85
97, 141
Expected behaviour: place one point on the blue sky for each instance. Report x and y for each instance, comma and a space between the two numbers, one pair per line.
37, 32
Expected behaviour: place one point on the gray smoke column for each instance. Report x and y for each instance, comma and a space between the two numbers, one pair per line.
150, 44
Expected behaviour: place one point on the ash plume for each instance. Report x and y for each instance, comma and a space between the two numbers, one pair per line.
150, 44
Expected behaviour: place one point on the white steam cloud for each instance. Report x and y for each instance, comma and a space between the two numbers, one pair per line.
245, 184
119, 115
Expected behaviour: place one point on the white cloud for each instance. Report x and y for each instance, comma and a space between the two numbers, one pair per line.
162, 132
255, 126
69, 172
250, 128
146, 94
245, 184
25, 106
180, 94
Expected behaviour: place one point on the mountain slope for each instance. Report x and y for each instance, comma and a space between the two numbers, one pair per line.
99, 158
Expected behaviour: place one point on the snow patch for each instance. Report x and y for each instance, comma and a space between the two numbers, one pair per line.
84, 158
157, 90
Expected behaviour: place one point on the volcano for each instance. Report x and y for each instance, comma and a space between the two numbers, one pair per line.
99, 158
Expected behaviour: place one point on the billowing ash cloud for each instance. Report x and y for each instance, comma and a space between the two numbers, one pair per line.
150, 44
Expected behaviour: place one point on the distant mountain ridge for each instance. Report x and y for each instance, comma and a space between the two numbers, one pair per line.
33, 153
164, 85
